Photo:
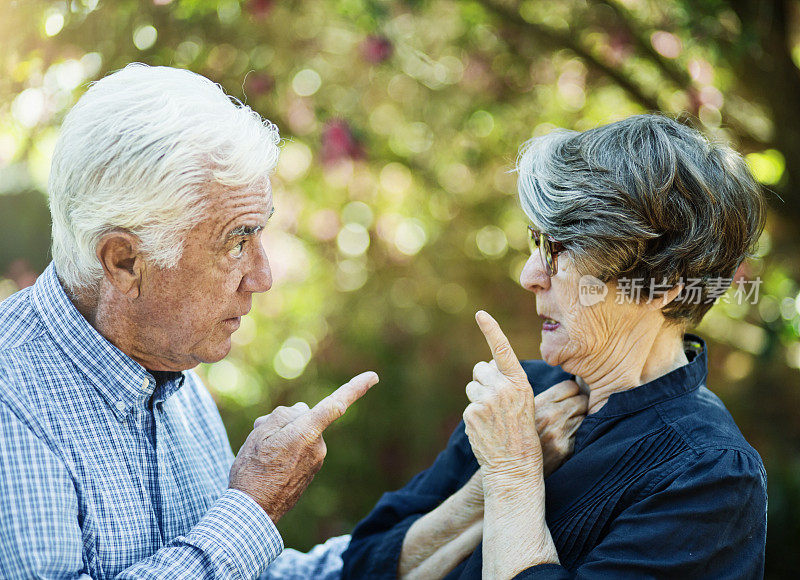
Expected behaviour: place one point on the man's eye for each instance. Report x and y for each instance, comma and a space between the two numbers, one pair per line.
237, 250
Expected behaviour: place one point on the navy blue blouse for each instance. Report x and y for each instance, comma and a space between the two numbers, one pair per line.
661, 484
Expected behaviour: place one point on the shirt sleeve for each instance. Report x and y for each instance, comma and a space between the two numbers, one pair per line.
42, 538
707, 520
234, 539
377, 540
323, 562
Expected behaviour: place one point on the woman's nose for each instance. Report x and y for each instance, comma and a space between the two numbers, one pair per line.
534, 274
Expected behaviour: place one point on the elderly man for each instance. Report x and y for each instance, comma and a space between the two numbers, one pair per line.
113, 459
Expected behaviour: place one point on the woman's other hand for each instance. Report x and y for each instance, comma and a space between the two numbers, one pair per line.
438, 541
560, 410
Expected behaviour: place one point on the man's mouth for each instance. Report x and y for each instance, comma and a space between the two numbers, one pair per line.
233, 322
239, 317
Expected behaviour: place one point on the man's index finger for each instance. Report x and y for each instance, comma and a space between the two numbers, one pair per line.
334, 405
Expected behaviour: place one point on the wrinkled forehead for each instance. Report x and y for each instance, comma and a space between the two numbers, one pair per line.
221, 197
229, 207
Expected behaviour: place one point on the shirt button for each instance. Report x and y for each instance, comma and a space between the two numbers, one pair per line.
120, 406
145, 383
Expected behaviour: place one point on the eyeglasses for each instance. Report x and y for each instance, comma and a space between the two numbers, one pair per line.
548, 249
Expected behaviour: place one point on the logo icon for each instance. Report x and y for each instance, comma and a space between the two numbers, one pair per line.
591, 290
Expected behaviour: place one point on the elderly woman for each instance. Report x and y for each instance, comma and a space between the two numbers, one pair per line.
634, 225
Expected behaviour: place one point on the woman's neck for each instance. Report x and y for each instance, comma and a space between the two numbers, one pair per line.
635, 360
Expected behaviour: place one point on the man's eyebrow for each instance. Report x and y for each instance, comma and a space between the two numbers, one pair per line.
242, 231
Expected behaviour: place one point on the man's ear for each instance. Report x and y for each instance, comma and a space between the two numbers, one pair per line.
122, 261
666, 298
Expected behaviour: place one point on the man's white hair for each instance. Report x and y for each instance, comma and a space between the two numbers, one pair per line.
137, 152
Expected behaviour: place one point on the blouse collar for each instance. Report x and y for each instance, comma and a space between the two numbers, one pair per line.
673, 384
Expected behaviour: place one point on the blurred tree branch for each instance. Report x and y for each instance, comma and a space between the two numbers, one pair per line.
557, 39
771, 66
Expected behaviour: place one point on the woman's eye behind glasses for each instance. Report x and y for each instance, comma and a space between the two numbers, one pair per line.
547, 247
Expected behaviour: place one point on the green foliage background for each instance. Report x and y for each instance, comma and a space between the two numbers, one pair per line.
397, 216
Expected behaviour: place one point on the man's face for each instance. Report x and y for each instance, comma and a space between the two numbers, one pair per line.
186, 315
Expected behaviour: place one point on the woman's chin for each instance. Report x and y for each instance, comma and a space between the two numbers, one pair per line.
551, 350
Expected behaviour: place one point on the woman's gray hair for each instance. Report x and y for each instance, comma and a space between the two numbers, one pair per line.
644, 198
138, 152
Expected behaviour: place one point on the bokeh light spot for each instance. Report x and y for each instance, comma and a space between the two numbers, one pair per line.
767, 166
306, 82
228, 11
395, 178
666, 44
738, 365
451, 297
481, 123
28, 107
294, 161
292, 358
53, 23
145, 37
410, 237
353, 239
491, 241
350, 275
357, 212
224, 376
456, 178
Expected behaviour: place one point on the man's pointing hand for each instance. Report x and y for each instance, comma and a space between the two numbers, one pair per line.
285, 449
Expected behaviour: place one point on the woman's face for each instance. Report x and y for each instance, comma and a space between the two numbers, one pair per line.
585, 335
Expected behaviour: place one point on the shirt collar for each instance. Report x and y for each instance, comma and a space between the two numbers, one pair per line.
673, 384
167, 382
120, 380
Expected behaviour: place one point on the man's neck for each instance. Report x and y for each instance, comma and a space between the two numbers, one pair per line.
112, 324
85, 302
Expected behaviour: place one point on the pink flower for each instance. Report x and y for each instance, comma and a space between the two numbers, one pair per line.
259, 84
338, 143
376, 49
260, 8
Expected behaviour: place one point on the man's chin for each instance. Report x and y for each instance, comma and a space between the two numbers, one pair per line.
217, 353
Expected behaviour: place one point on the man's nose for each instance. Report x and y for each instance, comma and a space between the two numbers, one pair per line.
259, 278
534, 274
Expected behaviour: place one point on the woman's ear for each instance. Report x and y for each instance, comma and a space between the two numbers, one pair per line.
666, 298
122, 261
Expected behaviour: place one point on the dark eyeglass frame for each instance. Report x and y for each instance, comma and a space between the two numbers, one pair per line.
548, 249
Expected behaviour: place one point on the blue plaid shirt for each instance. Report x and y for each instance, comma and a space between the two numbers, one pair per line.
106, 472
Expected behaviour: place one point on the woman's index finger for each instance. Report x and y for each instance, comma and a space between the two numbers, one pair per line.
502, 353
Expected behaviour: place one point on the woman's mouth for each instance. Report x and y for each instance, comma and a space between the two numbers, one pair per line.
549, 324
